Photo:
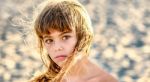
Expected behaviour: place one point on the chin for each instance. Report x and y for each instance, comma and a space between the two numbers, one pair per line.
60, 64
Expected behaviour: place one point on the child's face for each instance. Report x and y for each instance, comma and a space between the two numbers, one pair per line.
60, 45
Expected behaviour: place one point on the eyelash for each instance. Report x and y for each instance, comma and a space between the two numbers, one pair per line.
48, 41
66, 36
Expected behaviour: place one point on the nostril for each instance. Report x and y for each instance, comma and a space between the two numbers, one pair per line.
58, 48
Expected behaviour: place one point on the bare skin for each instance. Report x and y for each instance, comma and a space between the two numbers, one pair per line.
83, 70
88, 72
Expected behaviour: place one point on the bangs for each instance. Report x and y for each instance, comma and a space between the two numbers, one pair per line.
54, 18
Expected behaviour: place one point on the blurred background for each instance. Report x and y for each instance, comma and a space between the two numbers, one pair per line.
121, 44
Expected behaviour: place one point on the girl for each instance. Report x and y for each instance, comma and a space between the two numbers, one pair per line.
64, 33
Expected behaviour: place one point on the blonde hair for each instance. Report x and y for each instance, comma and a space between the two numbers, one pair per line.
62, 15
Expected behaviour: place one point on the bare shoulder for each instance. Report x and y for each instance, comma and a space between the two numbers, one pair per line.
90, 72
101, 78
97, 74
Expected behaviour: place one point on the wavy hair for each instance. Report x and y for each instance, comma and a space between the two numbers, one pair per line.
62, 15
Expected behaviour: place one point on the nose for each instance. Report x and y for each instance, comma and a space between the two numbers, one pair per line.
58, 46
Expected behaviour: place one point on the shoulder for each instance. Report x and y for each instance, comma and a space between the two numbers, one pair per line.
97, 74
101, 78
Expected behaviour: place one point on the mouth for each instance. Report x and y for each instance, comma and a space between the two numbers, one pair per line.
60, 57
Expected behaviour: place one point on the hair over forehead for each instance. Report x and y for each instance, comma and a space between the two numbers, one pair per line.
61, 16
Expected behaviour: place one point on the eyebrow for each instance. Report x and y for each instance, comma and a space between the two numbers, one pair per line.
48, 36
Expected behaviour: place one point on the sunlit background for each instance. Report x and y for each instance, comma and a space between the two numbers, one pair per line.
121, 44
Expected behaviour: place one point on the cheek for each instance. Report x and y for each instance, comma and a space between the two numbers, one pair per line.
47, 47
71, 45
48, 50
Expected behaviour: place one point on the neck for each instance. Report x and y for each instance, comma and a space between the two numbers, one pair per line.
79, 68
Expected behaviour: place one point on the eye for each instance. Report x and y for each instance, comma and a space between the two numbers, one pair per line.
66, 37
48, 41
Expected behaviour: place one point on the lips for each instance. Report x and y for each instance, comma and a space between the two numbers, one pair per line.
60, 56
